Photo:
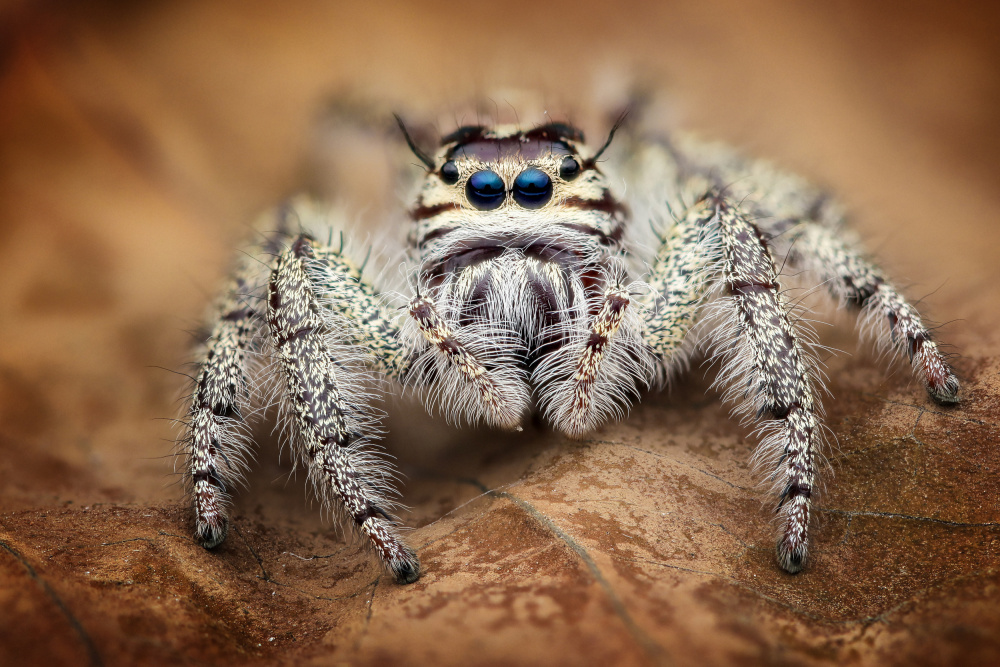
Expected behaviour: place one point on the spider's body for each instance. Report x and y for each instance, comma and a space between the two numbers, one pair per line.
528, 271
532, 287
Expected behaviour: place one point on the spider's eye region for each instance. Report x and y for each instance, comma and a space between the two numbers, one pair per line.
532, 188
449, 172
569, 169
485, 190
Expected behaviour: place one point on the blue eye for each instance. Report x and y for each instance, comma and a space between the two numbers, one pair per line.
532, 188
485, 190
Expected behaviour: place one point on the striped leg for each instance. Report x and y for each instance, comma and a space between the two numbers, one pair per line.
768, 373
216, 440
327, 400
356, 311
858, 282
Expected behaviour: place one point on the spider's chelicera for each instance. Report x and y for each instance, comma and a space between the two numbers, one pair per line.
532, 291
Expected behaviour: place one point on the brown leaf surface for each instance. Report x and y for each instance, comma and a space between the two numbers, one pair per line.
137, 139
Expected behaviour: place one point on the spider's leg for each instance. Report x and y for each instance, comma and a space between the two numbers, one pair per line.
858, 282
216, 437
769, 373
327, 397
680, 277
358, 311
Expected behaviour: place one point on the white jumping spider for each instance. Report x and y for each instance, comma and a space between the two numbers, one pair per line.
531, 287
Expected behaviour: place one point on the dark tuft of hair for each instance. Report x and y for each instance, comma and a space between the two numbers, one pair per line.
464, 135
555, 132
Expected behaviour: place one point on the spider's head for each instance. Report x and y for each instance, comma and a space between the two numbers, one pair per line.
513, 184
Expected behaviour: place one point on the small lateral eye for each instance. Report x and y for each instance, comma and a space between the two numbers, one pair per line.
485, 190
449, 172
569, 169
532, 188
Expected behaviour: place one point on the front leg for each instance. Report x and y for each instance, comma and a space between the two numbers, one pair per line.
634, 340
327, 397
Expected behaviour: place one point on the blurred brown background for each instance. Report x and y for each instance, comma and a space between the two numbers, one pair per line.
137, 139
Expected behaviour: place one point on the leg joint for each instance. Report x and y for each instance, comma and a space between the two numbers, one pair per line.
371, 511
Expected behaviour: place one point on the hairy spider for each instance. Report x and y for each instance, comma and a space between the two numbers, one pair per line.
530, 289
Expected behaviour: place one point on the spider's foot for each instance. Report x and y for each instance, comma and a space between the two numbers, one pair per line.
406, 570
945, 393
793, 547
938, 377
945, 398
211, 533
396, 556
791, 558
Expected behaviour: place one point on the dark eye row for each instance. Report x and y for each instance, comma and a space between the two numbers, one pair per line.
532, 187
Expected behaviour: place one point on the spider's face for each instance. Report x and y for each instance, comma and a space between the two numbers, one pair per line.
505, 186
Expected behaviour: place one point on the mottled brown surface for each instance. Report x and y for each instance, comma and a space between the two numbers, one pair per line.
136, 140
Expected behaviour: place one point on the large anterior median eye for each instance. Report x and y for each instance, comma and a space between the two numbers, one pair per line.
532, 188
485, 190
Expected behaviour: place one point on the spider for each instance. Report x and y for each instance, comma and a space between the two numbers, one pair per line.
534, 287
